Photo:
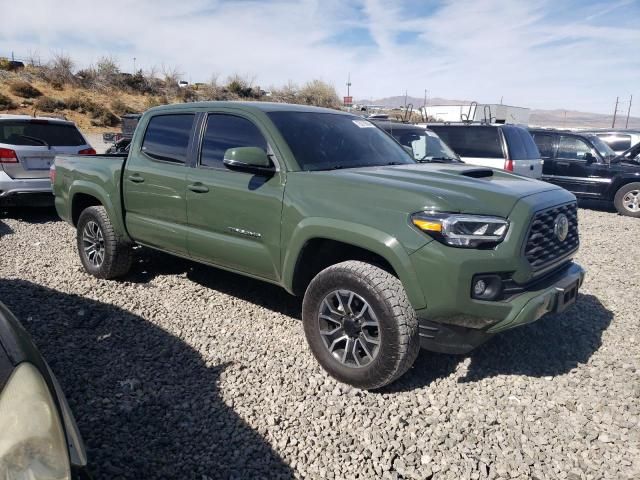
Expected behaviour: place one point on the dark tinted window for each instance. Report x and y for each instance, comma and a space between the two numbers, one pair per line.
471, 141
325, 141
167, 137
545, 144
573, 148
228, 131
521, 145
617, 142
29, 132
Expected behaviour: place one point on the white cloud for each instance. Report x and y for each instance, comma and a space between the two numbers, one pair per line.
532, 53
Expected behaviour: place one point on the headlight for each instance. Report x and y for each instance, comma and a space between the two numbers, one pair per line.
466, 231
32, 442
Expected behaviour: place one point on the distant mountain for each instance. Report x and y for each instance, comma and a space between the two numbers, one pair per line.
538, 117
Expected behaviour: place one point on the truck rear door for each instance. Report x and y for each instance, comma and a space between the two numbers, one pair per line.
154, 182
234, 216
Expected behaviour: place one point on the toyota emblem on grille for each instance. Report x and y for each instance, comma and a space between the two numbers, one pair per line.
561, 227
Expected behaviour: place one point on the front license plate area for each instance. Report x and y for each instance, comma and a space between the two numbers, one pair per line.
566, 296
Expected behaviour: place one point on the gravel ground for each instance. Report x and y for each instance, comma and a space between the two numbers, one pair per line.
184, 371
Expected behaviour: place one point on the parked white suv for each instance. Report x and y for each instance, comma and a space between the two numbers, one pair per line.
507, 147
28, 146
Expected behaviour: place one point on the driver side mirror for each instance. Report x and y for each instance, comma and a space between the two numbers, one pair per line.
589, 158
249, 159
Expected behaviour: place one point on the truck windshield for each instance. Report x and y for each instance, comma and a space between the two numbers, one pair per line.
328, 141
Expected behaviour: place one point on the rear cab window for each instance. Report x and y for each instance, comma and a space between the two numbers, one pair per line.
520, 143
167, 137
471, 141
35, 132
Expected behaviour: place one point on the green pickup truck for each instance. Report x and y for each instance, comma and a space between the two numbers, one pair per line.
390, 255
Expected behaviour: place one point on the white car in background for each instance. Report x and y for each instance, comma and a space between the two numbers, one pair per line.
28, 146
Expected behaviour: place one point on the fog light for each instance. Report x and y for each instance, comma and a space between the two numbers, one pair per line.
486, 287
479, 287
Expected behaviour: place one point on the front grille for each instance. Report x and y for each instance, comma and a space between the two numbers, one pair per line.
543, 246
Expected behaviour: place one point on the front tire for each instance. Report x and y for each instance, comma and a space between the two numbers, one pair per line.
102, 253
627, 200
360, 325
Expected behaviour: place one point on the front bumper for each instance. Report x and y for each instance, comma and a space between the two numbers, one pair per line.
553, 295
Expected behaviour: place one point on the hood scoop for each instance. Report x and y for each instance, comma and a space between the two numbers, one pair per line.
477, 173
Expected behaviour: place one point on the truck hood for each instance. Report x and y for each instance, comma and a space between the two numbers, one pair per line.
442, 187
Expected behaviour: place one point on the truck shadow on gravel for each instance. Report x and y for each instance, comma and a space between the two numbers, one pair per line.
145, 401
554, 345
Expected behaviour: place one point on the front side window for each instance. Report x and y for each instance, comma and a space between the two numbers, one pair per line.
573, 148
224, 132
167, 137
328, 141
545, 144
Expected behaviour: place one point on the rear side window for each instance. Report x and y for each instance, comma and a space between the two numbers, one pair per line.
472, 141
224, 132
617, 142
521, 145
167, 137
544, 143
40, 132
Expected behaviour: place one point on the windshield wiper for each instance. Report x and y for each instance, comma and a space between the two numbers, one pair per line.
438, 160
35, 139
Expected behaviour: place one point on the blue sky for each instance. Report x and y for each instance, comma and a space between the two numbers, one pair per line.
573, 54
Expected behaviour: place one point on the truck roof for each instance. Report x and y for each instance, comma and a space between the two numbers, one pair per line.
260, 106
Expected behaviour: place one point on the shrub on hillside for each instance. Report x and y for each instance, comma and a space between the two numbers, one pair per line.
320, 94
5, 64
241, 87
6, 103
60, 70
120, 108
100, 115
48, 104
24, 89
156, 101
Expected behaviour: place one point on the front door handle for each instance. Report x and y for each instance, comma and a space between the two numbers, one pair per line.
198, 188
136, 178
562, 164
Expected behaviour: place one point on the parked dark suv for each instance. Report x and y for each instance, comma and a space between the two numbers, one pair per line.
586, 166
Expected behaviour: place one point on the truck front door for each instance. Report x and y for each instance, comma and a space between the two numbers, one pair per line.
154, 183
234, 217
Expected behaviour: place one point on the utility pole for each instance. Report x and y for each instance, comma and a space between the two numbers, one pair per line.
134, 65
615, 112
405, 99
626, 125
348, 84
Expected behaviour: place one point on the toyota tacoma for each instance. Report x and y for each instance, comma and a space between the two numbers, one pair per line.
389, 254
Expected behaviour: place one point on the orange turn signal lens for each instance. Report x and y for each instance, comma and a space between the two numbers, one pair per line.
427, 226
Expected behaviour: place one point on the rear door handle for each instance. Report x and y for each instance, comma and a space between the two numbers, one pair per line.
198, 188
136, 178
562, 164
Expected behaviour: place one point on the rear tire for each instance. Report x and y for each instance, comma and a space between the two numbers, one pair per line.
627, 200
360, 325
102, 253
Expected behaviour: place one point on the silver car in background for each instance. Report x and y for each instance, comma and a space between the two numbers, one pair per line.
28, 146
503, 146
